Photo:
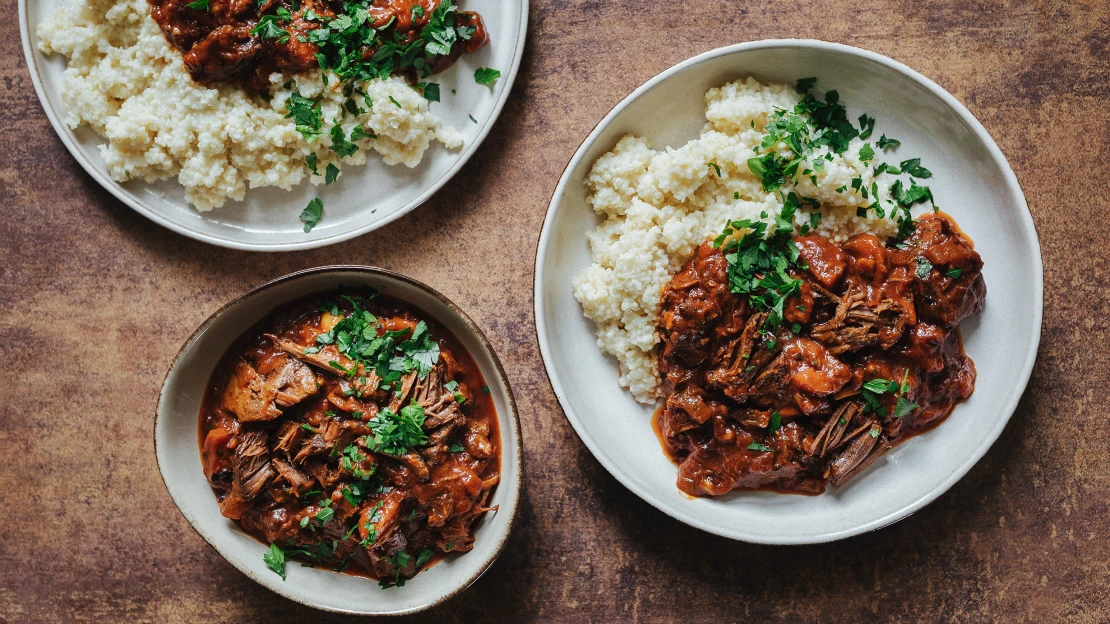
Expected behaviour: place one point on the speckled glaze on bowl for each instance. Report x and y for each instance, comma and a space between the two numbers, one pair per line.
178, 454
971, 181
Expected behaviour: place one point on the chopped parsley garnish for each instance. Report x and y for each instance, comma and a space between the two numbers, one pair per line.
776, 422
310, 162
486, 76
330, 174
914, 168
884, 142
715, 167
866, 126
306, 114
430, 90
275, 558
485, 389
923, 267
310, 216
424, 556
358, 132
268, 28
390, 355
472, 118
879, 386
756, 446
420, 351
198, 5
395, 434
758, 263
866, 153
953, 273
339, 143
351, 47
456, 448
395, 102
830, 117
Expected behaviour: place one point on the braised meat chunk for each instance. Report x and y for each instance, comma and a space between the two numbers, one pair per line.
851, 349
344, 430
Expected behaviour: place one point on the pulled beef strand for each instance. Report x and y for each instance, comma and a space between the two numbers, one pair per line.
278, 426
864, 311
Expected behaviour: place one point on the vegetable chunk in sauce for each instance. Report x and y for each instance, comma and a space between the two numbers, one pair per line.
865, 353
350, 431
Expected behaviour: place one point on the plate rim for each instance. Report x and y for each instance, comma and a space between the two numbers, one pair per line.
514, 420
31, 57
613, 467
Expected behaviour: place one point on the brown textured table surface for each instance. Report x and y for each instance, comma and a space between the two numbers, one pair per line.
95, 300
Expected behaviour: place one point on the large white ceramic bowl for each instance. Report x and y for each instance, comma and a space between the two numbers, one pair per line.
972, 181
176, 446
365, 198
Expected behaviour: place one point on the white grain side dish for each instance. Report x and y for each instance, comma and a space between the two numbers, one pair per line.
657, 206
132, 88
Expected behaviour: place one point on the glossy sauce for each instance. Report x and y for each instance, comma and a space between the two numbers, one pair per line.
274, 513
864, 312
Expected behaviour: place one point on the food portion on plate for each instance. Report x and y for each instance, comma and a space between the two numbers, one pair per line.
349, 431
819, 328
230, 95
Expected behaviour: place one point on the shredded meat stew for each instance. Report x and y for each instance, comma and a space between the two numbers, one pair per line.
376, 470
244, 41
868, 354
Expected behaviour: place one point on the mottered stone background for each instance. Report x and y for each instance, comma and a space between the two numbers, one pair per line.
95, 301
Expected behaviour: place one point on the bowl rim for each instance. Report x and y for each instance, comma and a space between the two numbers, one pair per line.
516, 432
31, 56
1021, 378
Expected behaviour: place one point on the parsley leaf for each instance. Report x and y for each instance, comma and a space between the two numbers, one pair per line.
759, 263
268, 28
198, 5
424, 556
715, 167
275, 558
776, 422
456, 448
310, 216
953, 273
866, 153
393, 433
756, 446
306, 114
421, 349
805, 84
884, 142
914, 168
904, 406
430, 91
310, 162
486, 76
923, 267
339, 143
330, 174
866, 126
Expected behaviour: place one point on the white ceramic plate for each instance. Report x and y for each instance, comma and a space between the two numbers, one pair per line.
178, 452
366, 198
972, 181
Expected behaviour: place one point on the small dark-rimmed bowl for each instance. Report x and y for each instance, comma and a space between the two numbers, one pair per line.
177, 450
